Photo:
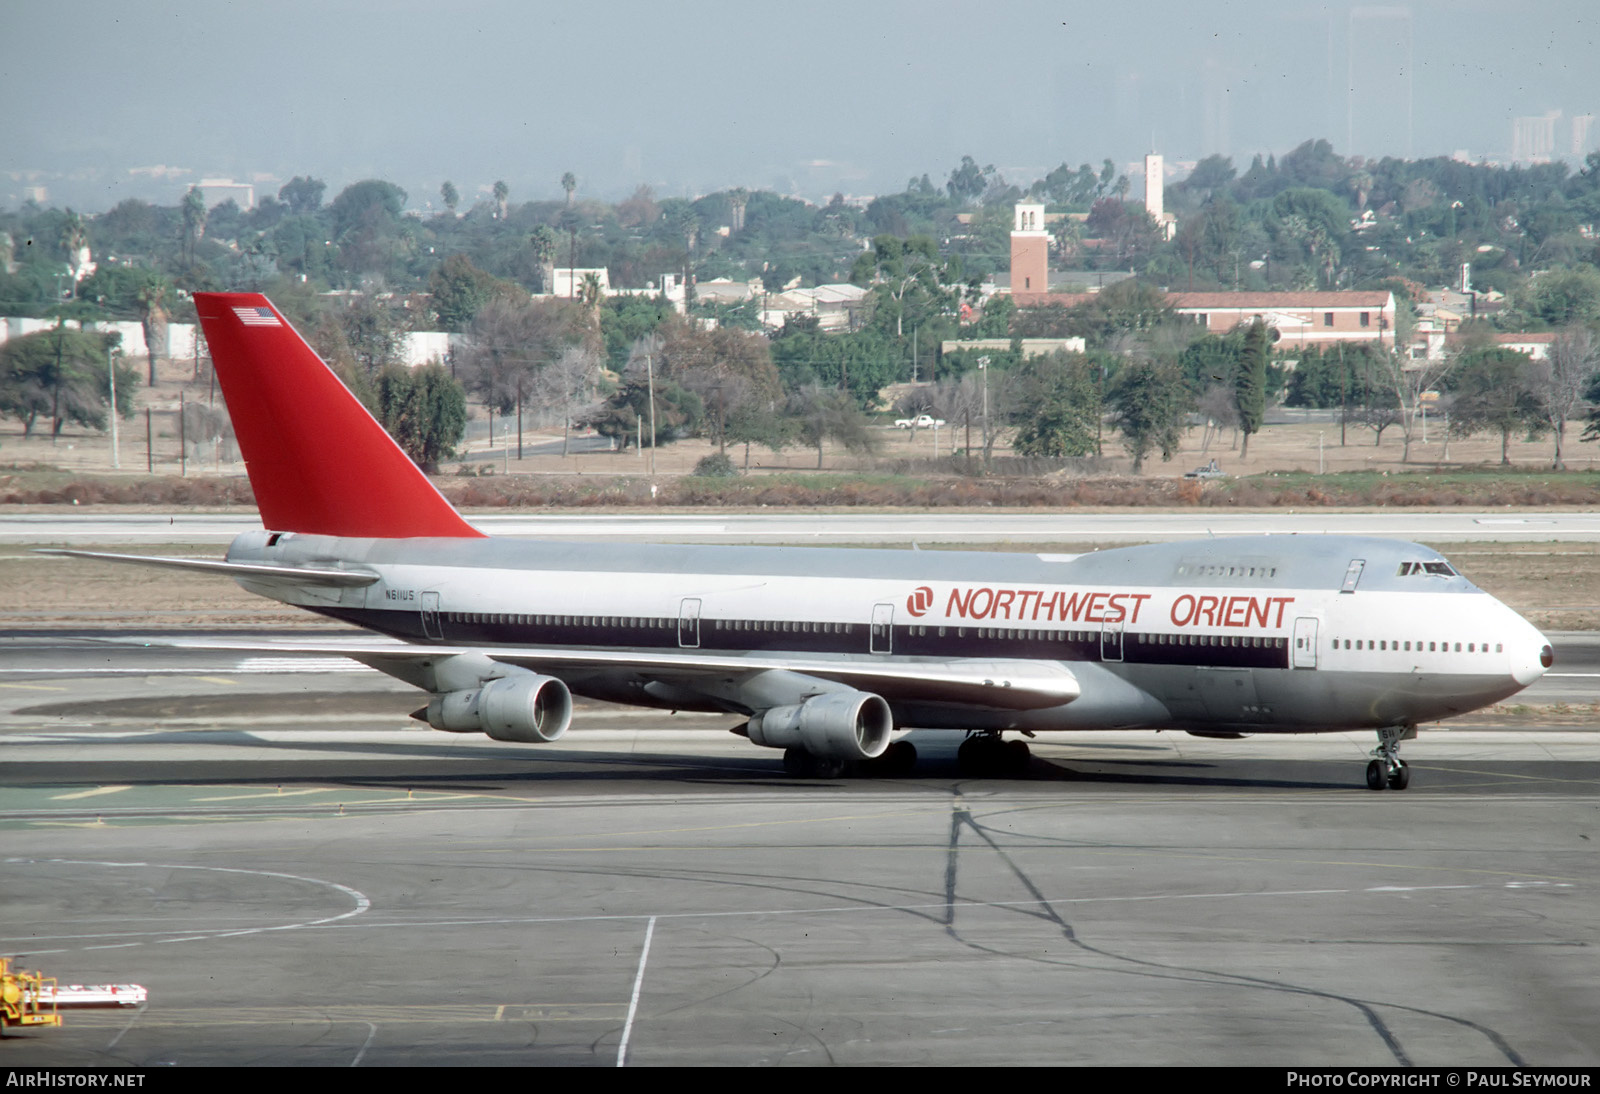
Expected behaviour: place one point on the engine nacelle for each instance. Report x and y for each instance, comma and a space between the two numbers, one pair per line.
838, 725
524, 707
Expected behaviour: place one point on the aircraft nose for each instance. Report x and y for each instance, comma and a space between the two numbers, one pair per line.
1528, 666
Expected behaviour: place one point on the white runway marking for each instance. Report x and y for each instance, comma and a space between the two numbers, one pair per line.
633, 1003
360, 899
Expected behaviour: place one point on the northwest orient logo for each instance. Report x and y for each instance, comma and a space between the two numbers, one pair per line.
919, 601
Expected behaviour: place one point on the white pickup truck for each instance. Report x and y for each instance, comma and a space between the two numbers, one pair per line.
921, 421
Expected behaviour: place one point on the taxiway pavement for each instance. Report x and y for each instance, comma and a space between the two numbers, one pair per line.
301, 874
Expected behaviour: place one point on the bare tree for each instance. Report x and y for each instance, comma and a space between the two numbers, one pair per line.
1218, 408
1409, 379
1560, 379
568, 387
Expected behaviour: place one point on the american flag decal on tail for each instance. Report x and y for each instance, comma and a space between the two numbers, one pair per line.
257, 317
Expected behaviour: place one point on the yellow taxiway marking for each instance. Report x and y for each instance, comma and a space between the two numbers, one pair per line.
216, 680
267, 794
32, 687
95, 793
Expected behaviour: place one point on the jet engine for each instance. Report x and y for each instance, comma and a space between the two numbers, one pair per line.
524, 707
838, 725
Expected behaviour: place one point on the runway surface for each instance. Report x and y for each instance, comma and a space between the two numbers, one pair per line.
927, 527
301, 874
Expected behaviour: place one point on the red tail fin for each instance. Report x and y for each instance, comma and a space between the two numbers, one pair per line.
318, 462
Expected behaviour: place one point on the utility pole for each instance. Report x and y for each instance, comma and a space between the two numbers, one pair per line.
55, 399
111, 375
983, 369
650, 376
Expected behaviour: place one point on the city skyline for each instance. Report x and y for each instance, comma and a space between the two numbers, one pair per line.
143, 102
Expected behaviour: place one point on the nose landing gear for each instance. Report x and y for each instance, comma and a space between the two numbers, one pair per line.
1387, 769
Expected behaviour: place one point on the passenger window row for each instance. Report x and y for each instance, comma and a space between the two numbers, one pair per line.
1391, 644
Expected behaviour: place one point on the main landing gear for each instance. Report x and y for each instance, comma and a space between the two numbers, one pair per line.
984, 754
1387, 769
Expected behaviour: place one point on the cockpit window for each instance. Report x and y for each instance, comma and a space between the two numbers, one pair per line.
1421, 569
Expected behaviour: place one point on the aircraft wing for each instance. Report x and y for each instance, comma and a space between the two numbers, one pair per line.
1005, 684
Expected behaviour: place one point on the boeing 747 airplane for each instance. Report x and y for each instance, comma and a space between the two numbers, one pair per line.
833, 654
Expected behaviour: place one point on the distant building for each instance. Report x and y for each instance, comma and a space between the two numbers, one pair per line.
568, 281
1533, 140
1297, 318
217, 191
835, 307
1031, 347
1155, 195
1030, 249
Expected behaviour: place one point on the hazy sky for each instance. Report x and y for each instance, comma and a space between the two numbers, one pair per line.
701, 95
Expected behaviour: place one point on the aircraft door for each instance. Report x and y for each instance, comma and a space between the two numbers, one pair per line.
882, 628
431, 627
1305, 643
689, 624
1111, 641
1352, 576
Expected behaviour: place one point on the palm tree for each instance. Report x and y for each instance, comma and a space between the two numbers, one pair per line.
194, 219
543, 243
153, 317
501, 193
590, 292
569, 183
451, 196
74, 240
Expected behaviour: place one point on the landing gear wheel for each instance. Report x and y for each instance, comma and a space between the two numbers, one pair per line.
803, 765
1400, 777
897, 760
976, 756
987, 756
798, 762
1014, 757
1387, 769
1377, 775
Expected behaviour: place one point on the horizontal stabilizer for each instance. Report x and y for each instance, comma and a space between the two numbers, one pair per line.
299, 575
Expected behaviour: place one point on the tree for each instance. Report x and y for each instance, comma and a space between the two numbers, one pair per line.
823, 414
502, 193
1250, 382
1560, 380
1492, 394
459, 289
61, 374
1058, 406
153, 318
424, 410
451, 196
511, 340
568, 386
1149, 402
569, 183
968, 181
628, 413
1559, 297
302, 194
194, 221
543, 245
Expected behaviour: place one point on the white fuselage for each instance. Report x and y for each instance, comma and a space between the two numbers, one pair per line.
1268, 634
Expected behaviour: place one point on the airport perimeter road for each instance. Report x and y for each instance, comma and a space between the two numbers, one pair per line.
301, 874
929, 527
